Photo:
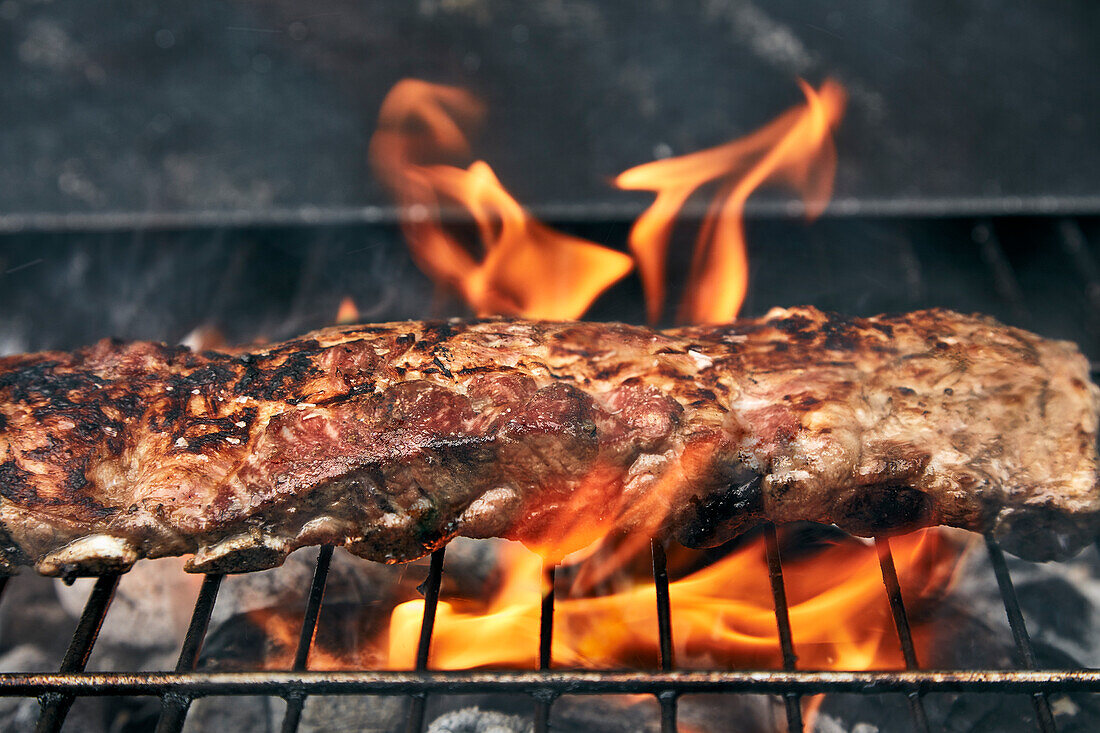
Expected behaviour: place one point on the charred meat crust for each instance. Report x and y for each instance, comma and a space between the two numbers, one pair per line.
391, 439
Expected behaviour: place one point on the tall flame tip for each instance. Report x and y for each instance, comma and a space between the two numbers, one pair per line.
524, 267
795, 149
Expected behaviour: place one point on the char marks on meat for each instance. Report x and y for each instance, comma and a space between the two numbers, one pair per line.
391, 439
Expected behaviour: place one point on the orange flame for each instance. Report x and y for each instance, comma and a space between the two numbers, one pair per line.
795, 149
348, 312
523, 267
597, 519
722, 615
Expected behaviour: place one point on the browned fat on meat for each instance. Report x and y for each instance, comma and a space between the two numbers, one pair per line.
392, 439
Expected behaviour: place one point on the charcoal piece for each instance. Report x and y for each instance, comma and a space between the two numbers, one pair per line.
743, 713
19, 714
605, 713
150, 609
1056, 605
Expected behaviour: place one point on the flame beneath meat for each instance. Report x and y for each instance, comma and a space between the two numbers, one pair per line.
722, 614
517, 266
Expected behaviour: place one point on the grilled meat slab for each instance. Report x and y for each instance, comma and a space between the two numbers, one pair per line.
391, 439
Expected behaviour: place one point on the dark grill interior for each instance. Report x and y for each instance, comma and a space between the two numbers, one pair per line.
62, 289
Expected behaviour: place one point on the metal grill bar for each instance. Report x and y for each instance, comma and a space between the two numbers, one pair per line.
328, 216
546, 616
573, 682
791, 701
546, 644
297, 699
1019, 632
174, 708
901, 624
56, 706
666, 699
431, 602
415, 719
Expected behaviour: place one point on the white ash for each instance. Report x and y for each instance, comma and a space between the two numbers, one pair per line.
18, 714
349, 714
476, 720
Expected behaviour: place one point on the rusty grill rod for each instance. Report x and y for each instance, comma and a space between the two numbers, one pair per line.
571, 682
296, 699
56, 706
791, 701
901, 624
174, 707
666, 699
1019, 632
546, 644
414, 721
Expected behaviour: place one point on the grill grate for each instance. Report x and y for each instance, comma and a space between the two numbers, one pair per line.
177, 689
1019, 631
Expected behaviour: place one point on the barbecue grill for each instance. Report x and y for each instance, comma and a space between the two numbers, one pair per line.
254, 170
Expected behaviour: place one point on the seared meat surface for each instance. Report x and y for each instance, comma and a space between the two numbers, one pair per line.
391, 439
